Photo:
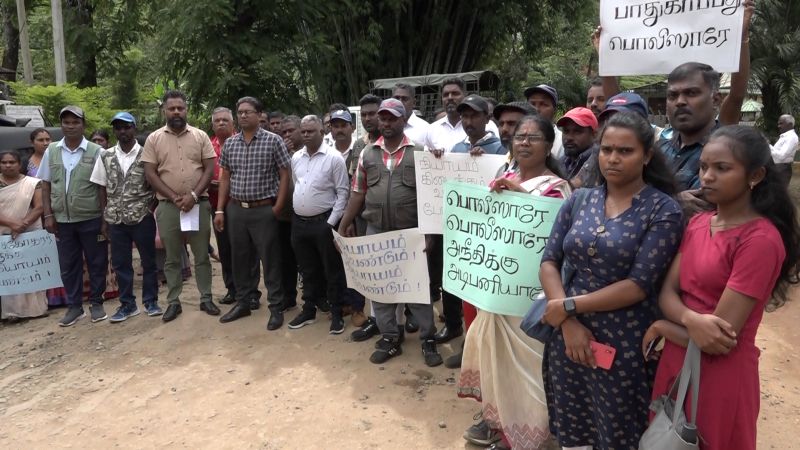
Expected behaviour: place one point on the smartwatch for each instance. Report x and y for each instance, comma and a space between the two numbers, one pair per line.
569, 306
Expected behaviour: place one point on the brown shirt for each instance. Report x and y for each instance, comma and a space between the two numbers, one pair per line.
179, 157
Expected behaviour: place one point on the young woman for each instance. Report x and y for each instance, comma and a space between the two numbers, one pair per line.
617, 241
20, 211
40, 139
501, 365
731, 262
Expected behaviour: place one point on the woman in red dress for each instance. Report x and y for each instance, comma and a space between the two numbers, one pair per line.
732, 261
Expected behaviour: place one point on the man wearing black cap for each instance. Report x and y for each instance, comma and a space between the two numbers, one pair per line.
474, 112
129, 201
72, 211
545, 99
508, 116
448, 131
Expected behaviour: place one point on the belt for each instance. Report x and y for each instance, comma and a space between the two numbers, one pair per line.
266, 201
318, 217
167, 200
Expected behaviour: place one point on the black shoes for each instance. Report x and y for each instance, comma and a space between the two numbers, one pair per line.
255, 303
454, 361
447, 334
237, 312
306, 317
429, 352
173, 311
210, 308
229, 299
387, 349
337, 324
367, 331
411, 325
275, 321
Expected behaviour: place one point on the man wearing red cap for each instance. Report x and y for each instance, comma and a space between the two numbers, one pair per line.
578, 127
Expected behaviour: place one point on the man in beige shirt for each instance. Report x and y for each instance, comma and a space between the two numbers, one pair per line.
179, 162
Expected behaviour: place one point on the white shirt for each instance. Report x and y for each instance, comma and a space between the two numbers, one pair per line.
70, 158
783, 150
416, 129
320, 183
126, 160
441, 134
558, 145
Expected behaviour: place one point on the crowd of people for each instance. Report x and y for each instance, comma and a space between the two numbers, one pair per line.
665, 236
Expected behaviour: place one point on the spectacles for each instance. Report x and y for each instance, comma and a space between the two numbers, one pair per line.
532, 138
247, 112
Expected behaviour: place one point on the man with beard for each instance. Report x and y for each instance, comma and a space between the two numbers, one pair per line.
578, 127
129, 217
448, 131
508, 116
342, 133
416, 128
595, 98
73, 212
474, 112
393, 152
545, 99
290, 132
179, 163
255, 171
263, 120
275, 121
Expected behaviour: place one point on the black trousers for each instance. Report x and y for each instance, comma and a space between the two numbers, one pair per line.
288, 262
451, 304
224, 249
319, 262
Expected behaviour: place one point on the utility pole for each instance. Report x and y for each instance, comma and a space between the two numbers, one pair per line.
58, 42
24, 43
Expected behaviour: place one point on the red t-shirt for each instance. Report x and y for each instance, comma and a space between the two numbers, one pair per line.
213, 191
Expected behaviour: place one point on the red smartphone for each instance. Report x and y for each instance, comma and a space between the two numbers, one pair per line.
603, 354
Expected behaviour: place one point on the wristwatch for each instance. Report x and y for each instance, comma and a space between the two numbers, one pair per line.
569, 306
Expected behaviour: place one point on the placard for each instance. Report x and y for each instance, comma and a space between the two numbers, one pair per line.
29, 263
642, 37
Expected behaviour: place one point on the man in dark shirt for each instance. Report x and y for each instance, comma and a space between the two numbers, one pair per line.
578, 127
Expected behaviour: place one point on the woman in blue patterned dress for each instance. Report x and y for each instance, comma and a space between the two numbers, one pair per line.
617, 241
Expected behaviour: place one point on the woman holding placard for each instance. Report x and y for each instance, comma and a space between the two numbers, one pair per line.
20, 211
614, 246
501, 364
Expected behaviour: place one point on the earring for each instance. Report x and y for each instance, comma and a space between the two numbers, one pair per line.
752, 185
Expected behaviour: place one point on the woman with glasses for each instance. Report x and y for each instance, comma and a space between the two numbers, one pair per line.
501, 365
614, 244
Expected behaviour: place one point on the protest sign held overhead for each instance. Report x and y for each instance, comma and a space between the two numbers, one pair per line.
432, 172
387, 267
643, 37
493, 246
29, 263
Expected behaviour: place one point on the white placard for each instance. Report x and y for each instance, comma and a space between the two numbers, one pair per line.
29, 263
190, 221
388, 267
642, 37
432, 172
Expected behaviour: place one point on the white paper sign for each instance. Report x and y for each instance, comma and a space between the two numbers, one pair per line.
387, 267
642, 37
190, 221
29, 263
432, 172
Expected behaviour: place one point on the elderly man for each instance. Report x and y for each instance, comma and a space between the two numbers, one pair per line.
321, 189
179, 163
73, 211
785, 148
255, 172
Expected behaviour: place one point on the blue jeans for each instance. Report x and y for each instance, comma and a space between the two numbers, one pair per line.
122, 236
77, 240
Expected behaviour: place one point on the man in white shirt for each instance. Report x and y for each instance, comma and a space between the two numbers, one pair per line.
784, 149
128, 217
545, 99
342, 133
416, 128
446, 132
321, 190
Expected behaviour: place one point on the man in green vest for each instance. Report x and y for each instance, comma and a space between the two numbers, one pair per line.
128, 217
73, 212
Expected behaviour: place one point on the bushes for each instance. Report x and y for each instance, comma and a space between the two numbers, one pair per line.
95, 102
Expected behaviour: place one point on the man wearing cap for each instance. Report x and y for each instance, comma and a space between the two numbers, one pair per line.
179, 163
416, 128
342, 133
579, 127
72, 210
474, 113
628, 101
253, 187
545, 99
392, 153
508, 116
321, 188
129, 202
448, 131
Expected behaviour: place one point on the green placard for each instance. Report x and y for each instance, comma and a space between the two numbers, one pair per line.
493, 245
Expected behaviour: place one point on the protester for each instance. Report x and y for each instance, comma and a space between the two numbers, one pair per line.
328, 139
416, 128
508, 116
179, 163
290, 131
512, 394
595, 97
614, 243
101, 138
474, 113
255, 171
785, 148
20, 212
275, 121
342, 133
393, 151
263, 121
72, 211
319, 174
545, 99
448, 131
40, 139
579, 128
128, 217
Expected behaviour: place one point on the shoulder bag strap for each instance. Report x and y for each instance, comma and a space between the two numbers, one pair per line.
689, 373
